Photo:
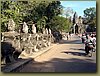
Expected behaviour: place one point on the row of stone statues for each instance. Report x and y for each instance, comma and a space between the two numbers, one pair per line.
15, 44
22, 45
11, 27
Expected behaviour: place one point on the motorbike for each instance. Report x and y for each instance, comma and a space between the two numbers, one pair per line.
83, 40
89, 48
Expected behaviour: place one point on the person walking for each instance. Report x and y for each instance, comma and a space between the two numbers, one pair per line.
70, 35
67, 37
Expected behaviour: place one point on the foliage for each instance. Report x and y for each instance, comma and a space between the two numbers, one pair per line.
60, 23
41, 23
42, 13
68, 11
90, 15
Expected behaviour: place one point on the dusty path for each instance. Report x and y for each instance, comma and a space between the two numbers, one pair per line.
67, 56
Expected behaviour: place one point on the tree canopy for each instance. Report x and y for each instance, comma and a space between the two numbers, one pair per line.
90, 15
60, 23
40, 12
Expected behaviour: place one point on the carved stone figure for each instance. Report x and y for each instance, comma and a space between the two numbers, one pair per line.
33, 29
35, 49
11, 25
25, 28
50, 31
46, 31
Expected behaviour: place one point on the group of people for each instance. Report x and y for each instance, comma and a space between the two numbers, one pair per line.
89, 39
69, 36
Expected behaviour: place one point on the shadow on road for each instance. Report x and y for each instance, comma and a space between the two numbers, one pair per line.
70, 42
78, 49
73, 65
75, 53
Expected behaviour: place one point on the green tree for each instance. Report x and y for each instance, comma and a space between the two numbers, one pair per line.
60, 23
68, 11
90, 15
41, 23
53, 9
29, 11
9, 9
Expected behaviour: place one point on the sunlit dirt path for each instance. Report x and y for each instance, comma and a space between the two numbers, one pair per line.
66, 56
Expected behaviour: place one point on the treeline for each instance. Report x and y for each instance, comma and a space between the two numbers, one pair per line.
90, 18
45, 14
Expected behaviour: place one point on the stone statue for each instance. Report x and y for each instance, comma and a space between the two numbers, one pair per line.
33, 29
25, 28
11, 25
46, 31
50, 31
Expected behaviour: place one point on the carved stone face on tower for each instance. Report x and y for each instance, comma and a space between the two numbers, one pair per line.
11, 25
75, 17
80, 21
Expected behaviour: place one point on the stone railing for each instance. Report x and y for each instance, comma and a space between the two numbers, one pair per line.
12, 44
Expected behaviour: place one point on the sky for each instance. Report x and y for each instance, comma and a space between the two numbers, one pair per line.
78, 6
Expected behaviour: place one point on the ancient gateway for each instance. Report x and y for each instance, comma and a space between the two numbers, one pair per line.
78, 26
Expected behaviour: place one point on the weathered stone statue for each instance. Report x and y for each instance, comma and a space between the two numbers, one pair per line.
50, 31
46, 31
35, 49
33, 29
11, 25
25, 28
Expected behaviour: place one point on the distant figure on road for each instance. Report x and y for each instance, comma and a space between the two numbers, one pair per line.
70, 35
67, 37
83, 38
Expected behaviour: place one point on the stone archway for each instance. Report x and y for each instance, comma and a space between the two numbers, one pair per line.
76, 29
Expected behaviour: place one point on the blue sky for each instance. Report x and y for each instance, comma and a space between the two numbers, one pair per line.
78, 6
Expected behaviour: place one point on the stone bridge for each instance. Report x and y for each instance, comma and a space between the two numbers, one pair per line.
13, 44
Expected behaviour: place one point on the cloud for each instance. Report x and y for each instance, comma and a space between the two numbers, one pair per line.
70, 5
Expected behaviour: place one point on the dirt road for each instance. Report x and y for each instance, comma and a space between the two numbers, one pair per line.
66, 56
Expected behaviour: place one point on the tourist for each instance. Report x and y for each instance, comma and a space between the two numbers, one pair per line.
67, 37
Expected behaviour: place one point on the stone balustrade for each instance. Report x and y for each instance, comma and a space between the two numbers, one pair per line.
13, 44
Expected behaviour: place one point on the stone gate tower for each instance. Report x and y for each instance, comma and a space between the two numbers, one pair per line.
77, 24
